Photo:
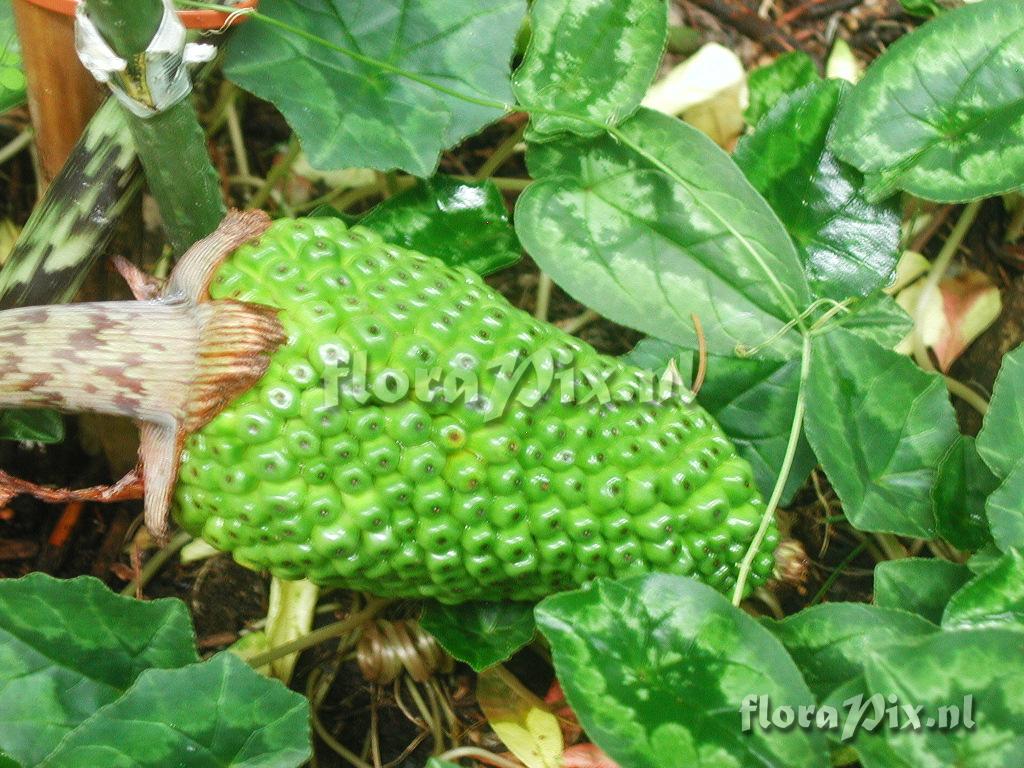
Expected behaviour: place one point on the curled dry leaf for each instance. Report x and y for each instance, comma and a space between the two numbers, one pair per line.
964, 307
708, 90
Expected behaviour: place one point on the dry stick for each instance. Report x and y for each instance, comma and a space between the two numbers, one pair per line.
479, 754
937, 220
814, 9
749, 24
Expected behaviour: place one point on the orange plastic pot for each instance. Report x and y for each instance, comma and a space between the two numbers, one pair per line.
193, 19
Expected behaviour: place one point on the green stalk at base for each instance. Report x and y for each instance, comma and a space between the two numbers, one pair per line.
171, 144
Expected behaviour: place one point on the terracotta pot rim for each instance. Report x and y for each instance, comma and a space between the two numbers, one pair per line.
193, 19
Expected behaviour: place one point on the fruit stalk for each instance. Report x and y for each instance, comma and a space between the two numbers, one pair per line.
172, 360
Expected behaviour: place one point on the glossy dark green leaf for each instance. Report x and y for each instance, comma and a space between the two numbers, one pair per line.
361, 110
464, 224
69, 647
39, 426
879, 425
1005, 511
941, 113
878, 318
590, 59
828, 641
963, 485
480, 634
217, 714
12, 75
993, 599
658, 224
754, 402
939, 672
9, 762
789, 72
1001, 440
848, 245
656, 668
919, 585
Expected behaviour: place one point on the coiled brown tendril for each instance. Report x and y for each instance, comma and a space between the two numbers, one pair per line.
386, 648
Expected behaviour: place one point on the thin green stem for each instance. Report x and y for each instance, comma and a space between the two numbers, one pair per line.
500, 156
1016, 226
837, 572
935, 275
317, 636
13, 147
968, 395
156, 562
787, 465
277, 173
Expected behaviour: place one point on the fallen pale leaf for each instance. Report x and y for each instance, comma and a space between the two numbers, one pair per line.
909, 268
954, 316
519, 717
708, 90
842, 64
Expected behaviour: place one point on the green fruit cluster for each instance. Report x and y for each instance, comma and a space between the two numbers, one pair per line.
410, 494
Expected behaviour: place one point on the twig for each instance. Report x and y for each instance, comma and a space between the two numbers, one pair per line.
815, 9
479, 754
749, 24
936, 222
